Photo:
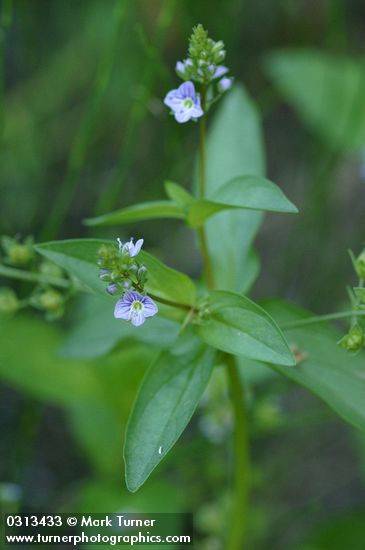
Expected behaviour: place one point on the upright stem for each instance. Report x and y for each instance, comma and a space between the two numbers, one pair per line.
241, 450
238, 514
202, 156
202, 181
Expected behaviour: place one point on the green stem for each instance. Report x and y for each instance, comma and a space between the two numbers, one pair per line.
238, 515
14, 273
178, 305
208, 270
40, 278
320, 319
202, 155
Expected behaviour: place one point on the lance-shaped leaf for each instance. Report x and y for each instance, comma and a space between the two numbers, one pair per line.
236, 325
79, 257
234, 147
165, 403
325, 369
243, 192
139, 212
178, 194
336, 111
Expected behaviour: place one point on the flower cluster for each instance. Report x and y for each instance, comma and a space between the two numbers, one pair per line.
204, 67
42, 275
354, 340
126, 277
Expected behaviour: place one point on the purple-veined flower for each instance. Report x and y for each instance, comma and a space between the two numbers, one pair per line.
184, 102
225, 84
135, 308
130, 248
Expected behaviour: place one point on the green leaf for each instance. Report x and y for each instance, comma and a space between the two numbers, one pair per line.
139, 212
79, 256
237, 325
165, 403
326, 91
178, 194
244, 192
327, 370
234, 147
29, 362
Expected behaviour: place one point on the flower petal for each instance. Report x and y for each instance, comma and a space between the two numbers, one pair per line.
196, 111
183, 115
122, 310
187, 90
149, 307
132, 296
173, 99
138, 319
220, 71
137, 247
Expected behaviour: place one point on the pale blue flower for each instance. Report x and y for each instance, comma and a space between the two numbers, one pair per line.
219, 71
184, 102
225, 84
181, 67
112, 289
130, 248
135, 308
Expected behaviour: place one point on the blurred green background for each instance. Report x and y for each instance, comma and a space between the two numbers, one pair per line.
84, 131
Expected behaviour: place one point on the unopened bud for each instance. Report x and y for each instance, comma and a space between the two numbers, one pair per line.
9, 302
112, 289
360, 265
104, 274
354, 340
51, 300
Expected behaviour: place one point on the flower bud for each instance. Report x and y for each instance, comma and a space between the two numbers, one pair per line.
19, 254
105, 274
225, 84
360, 265
50, 269
112, 289
9, 302
51, 300
354, 340
142, 274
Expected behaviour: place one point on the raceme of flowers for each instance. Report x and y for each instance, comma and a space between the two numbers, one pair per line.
126, 277
203, 66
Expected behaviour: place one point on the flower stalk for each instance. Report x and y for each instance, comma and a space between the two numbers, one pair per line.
238, 514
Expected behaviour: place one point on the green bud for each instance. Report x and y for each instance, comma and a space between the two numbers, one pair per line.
107, 256
51, 300
205, 54
50, 269
354, 339
142, 274
9, 302
360, 265
18, 254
